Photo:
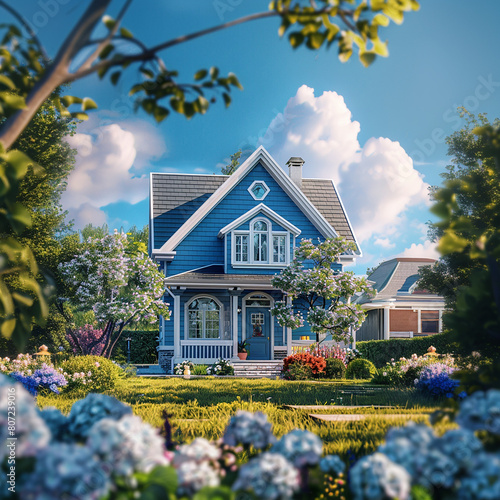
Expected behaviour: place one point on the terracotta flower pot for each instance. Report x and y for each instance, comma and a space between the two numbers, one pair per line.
242, 355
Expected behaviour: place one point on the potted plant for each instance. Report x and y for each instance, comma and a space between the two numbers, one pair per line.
242, 350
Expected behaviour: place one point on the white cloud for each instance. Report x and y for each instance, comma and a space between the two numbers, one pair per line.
427, 249
86, 214
384, 242
377, 181
110, 164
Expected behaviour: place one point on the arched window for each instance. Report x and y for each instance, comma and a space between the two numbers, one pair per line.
260, 241
203, 319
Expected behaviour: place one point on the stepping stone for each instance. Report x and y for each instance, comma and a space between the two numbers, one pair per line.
332, 407
355, 418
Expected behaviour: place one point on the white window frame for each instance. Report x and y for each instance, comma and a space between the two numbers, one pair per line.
186, 318
250, 249
266, 187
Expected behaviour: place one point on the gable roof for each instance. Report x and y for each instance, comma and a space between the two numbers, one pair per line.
318, 199
260, 209
396, 277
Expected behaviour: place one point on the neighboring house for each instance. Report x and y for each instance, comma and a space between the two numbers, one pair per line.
220, 239
399, 308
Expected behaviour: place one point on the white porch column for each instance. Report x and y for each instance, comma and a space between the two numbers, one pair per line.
288, 332
234, 323
419, 321
440, 326
177, 327
386, 323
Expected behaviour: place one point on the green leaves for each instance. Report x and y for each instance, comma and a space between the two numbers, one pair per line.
332, 22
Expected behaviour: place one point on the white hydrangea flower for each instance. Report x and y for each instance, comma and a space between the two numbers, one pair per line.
376, 477
249, 429
30, 432
270, 476
301, 447
193, 476
481, 411
126, 446
198, 451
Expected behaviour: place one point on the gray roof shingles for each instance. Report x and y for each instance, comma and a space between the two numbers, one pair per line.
182, 195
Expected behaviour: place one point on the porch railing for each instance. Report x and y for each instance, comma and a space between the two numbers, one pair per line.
206, 350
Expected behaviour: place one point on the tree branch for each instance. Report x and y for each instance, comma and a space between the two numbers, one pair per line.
28, 29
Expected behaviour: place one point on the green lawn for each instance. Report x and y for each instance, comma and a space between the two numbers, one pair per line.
203, 406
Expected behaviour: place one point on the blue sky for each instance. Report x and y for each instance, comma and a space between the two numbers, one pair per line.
378, 131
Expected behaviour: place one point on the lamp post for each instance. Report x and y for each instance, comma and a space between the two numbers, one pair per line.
129, 340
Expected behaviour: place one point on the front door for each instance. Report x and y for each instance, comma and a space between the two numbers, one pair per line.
258, 332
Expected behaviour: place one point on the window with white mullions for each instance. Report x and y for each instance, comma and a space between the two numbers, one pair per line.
241, 243
260, 242
204, 319
279, 249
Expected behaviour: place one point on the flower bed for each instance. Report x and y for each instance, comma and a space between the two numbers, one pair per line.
108, 451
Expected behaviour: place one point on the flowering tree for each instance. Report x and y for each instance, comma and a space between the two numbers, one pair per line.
320, 291
87, 340
118, 285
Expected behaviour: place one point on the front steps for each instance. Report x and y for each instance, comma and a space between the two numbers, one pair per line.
257, 369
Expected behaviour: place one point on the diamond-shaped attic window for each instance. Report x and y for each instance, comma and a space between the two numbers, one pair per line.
258, 190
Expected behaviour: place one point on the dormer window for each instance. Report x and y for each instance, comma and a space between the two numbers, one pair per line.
258, 190
260, 245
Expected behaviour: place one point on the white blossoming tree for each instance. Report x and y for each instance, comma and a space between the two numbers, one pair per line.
121, 286
319, 291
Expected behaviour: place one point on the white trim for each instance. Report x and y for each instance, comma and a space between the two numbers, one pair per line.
251, 192
250, 263
224, 285
290, 188
244, 319
177, 326
256, 211
234, 323
387, 327
359, 253
186, 320
151, 224
289, 335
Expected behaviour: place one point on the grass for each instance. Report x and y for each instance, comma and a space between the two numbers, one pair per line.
203, 406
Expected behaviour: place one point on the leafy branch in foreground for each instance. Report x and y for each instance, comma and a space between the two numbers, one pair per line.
29, 78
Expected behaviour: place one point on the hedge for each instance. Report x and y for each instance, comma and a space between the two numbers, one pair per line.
142, 347
379, 352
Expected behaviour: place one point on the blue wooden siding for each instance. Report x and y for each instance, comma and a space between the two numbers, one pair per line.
202, 247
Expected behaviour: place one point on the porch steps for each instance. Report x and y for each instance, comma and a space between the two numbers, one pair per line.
258, 369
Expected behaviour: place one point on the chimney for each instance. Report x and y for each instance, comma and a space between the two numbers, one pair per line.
295, 169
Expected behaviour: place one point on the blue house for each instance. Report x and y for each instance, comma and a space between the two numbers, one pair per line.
220, 239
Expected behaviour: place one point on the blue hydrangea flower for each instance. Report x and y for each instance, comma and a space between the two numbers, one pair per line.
249, 429
482, 482
45, 377
461, 445
375, 477
435, 379
56, 422
86, 412
126, 446
66, 471
405, 444
481, 411
270, 476
193, 476
30, 432
434, 468
301, 447
332, 464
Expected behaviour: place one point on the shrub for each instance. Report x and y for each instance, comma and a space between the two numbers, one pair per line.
221, 367
199, 370
317, 364
335, 368
180, 367
380, 352
360, 368
143, 345
297, 371
91, 373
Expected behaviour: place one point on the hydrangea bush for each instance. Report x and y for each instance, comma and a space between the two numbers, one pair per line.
221, 367
46, 377
180, 368
100, 451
